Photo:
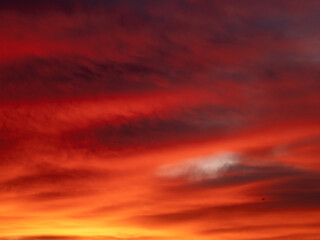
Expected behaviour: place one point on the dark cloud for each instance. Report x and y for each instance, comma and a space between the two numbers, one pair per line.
241, 171
158, 130
56, 195
308, 145
302, 236
281, 189
300, 191
81, 79
52, 177
261, 228
41, 7
36, 78
216, 213
75, 237
48, 237
131, 134
242, 174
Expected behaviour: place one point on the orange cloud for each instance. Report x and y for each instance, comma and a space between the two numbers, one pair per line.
162, 120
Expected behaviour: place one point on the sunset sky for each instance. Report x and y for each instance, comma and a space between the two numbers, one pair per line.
159, 120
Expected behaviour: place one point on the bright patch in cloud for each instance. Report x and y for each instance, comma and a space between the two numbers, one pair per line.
201, 168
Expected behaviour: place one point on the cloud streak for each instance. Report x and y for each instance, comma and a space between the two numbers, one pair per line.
198, 169
166, 119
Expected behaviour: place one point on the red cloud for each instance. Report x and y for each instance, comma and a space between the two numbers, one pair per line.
95, 96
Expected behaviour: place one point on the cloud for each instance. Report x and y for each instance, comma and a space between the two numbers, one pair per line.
37, 78
203, 168
151, 131
75, 237
299, 190
262, 228
226, 169
304, 236
47, 178
267, 189
97, 95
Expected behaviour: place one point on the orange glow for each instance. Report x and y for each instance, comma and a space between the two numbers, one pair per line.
159, 120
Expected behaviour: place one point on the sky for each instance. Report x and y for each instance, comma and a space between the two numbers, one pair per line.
159, 120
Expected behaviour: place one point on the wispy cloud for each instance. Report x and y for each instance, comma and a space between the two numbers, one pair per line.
208, 167
160, 112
